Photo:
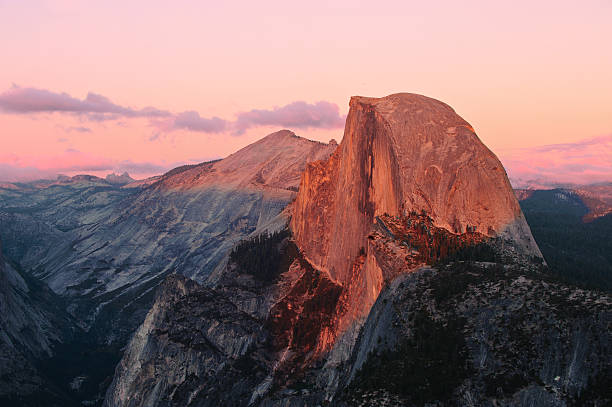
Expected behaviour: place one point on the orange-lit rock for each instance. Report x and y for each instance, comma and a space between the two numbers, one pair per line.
400, 154
409, 185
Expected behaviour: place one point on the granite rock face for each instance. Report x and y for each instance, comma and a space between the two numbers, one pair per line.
400, 154
403, 153
188, 349
364, 221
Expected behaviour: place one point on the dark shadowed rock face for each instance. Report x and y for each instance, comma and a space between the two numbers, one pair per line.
32, 323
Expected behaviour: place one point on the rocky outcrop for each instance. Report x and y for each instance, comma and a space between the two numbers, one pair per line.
226, 345
400, 155
191, 347
409, 185
122, 179
480, 334
474, 333
274, 162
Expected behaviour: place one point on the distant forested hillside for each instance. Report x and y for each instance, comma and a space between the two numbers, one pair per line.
578, 251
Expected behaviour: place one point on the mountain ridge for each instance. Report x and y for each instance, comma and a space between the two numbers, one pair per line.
106, 248
350, 235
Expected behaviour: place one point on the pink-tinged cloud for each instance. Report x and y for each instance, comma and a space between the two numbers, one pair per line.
77, 129
68, 161
296, 115
192, 120
577, 147
586, 161
96, 107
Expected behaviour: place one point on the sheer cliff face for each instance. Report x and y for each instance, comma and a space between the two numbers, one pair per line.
400, 154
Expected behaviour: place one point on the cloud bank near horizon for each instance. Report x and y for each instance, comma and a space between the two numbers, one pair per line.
97, 108
587, 161
72, 162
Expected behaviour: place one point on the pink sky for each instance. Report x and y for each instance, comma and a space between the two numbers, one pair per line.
147, 85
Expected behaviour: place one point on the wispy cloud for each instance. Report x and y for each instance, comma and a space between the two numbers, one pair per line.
585, 161
576, 147
296, 115
96, 108
192, 121
78, 129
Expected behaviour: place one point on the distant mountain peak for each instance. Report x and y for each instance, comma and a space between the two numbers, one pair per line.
116, 179
284, 133
275, 161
